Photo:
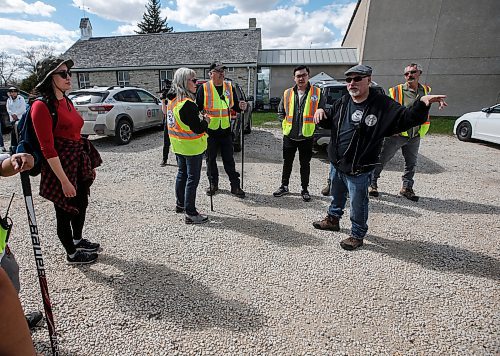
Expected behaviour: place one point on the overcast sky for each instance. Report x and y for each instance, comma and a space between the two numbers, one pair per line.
284, 24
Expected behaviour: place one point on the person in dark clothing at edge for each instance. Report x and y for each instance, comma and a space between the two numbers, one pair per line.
69, 169
216, 98
359, 122
187, 131
296, 111
166, 138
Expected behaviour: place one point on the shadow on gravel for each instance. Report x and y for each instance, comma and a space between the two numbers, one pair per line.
151, 291
437, 257
378, 205
265, 230
443, 205
141, 141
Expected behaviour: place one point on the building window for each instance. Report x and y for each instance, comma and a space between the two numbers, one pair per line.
83, 80
165, 74
230, 69
123, 78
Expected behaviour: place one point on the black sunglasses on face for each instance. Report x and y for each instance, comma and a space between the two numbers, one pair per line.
64, 73
194, 80
410, 72
356, 79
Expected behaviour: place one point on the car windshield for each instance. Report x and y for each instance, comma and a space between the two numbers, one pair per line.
81, 98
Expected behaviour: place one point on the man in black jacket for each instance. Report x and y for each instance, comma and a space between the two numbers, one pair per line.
359, 122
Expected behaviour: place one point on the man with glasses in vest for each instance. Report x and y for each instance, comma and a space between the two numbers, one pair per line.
216, 98
296, 111
358, 122
409, 141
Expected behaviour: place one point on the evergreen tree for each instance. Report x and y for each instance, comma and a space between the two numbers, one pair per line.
151, 21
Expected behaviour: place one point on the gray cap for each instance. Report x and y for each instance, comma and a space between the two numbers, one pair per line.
46, 67
359, 69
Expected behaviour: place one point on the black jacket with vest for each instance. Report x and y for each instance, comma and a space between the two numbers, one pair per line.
382, 117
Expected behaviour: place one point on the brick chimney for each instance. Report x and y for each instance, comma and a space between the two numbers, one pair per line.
85, 28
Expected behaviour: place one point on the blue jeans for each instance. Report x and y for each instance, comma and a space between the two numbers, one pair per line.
409, 149
187, 181
357, 186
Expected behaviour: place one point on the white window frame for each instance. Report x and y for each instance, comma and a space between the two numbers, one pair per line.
166, 74
84, 80
230, 69
123, 78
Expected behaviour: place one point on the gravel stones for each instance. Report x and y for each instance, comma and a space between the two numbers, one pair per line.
258, 278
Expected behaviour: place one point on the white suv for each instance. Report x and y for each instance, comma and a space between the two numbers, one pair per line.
116, 111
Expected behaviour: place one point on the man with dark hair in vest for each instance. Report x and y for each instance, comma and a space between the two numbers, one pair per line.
409, 141
216, 98
296, 111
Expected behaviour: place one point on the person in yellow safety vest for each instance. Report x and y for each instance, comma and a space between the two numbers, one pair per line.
296, 111
10, 165
217, 98
188, 139
409, 141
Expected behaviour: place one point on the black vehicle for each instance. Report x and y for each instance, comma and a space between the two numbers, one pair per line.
236, 118
4, 116
333, 90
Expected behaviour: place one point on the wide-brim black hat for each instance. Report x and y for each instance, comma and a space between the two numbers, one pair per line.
47, 66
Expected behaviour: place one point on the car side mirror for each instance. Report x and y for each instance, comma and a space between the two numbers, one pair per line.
486, 110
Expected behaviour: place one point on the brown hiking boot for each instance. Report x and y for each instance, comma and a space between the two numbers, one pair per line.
328, 223
326, 190
373, 191
408, 193
351, 243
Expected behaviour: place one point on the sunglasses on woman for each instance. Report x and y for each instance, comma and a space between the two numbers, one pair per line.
356, 79
63, 73
194, 80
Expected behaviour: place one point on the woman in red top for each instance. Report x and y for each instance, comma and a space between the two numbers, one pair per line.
68, 172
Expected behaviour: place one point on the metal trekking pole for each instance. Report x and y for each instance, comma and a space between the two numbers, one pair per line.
37, 250
210, 182
242, 145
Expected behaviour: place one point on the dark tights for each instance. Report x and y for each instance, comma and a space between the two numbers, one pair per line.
70, 226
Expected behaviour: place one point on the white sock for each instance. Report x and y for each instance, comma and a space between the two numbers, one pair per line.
72, 255
76, 242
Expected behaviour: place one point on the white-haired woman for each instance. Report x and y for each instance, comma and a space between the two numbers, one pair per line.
188, 138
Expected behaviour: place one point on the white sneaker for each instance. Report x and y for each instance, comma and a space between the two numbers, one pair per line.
3, 150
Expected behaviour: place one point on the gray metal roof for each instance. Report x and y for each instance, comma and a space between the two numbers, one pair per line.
172, 49
308, 56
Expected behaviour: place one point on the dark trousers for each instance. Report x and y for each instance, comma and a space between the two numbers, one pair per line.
166, 142
225, 145
13, 135
305, 154
187, 181
70, 226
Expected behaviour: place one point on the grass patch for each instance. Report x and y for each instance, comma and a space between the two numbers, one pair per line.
265, 118
442, 125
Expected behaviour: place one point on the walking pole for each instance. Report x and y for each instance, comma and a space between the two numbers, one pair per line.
209, 171
242, 146
37, 250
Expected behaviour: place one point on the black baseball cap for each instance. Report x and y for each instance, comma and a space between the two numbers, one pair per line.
217, 66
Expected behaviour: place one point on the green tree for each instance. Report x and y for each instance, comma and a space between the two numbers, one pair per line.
151, 20
29, 83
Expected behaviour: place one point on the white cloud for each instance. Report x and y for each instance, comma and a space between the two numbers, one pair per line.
117, 10
20, 6
126, 30
49, 30
15, 45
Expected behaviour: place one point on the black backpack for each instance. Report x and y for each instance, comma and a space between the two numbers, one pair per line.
28, 141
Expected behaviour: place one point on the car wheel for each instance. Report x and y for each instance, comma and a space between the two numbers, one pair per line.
123, 132
464, 131
248, 128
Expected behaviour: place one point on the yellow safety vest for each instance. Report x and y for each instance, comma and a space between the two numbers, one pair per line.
397, 94
310, 107
218, 109
184, 141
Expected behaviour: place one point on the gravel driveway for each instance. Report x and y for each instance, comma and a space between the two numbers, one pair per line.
258, 278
